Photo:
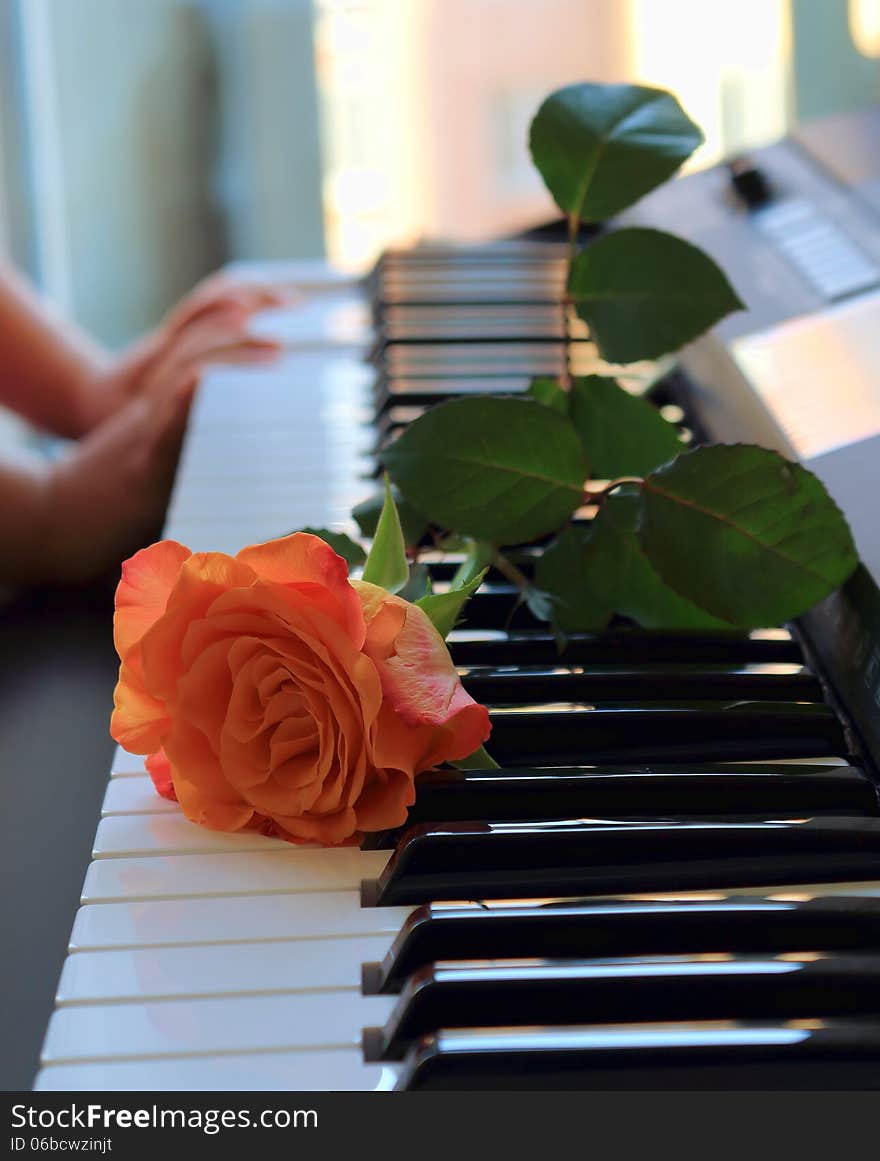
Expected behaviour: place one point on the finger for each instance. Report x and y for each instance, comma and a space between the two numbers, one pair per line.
219, 325
248, 297
165, 376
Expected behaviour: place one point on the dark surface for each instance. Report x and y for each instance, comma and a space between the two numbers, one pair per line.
57, 671
474, 860
585, 929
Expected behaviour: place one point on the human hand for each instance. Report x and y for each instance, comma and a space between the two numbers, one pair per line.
220, 290
108, 496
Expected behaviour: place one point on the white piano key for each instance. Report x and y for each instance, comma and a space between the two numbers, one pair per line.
135, 795
233, 505
233, 538
194, 1027
275, 491
343, 428
249, 873
268, 449
333, 1070
133, 974
311, 276
245, 918
259, 522
125, 765
169, 834
337, 320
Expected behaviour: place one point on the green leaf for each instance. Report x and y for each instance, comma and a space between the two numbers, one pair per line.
367, 514
444, 609
480, 760
599, 571
350, 551
562, 569
599, 148
418, 585
550, 392
478, 558
623, 434
643, 293
500, 469
539, 602
386, 564
754, 538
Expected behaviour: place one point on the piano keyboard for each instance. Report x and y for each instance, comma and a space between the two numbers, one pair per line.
674, 878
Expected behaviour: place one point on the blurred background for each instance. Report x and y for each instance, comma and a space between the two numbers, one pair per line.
145, 142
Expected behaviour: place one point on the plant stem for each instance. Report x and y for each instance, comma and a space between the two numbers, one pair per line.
604, 493
509, 570
566, 302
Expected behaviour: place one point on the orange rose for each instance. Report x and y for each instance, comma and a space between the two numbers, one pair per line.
272, 693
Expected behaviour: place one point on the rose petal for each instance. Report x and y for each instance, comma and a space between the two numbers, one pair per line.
142, 593
303, 558
202, 791
202, 578
418, 677
139, 721
159, 769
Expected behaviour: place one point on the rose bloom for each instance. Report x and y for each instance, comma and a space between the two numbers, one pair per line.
270, 692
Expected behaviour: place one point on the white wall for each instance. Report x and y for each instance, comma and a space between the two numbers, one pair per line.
165, 136
121, 115
269, 179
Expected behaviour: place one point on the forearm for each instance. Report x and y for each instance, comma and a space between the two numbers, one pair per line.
71, 521
48, 368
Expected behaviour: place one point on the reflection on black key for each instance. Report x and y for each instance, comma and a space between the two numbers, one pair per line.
637, 647
584, 929
512, 684
590, 857
808, 1055
515, 794
562, 734
710, 987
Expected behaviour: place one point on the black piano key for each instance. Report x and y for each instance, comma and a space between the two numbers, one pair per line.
626, 646
611, 857
476, 292
815, 1055
474, 359
425, 392
513, 330
565, 734
443, 568
638, 989
511, 684
583, 929
515, 794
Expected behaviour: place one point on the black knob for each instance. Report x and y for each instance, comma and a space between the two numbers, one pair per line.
749, 182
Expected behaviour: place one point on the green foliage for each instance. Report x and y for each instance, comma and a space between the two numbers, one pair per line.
367, 513
478, 557
418, 585
644, 293
350, 551
713, 537
584, 602
550, 392
753, 538
602, 570
599, 148
500, 469
444, 609
480, 760
623, 435
387, 564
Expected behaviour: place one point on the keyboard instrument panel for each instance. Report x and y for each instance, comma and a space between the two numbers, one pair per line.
672, 880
